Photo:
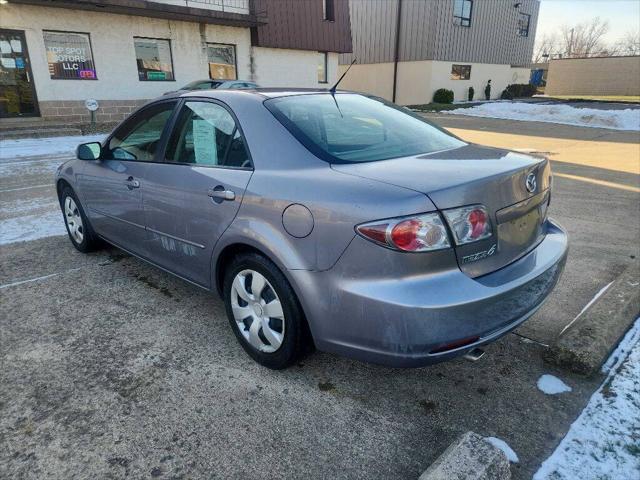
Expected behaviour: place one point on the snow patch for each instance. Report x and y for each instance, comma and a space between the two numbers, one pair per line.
31, 227
621, 352
26, 147
603, 442
552, 385
627, 119
502, 445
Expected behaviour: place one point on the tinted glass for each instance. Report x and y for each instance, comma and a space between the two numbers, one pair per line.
347, 128
322, 67
460, 72
222, 61
139, 137
154, 59
462, 12
206, 134
69, 56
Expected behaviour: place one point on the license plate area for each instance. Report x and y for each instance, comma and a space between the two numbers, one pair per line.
520, 226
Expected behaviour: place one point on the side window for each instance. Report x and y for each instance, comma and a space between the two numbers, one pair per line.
139, 137
206, 134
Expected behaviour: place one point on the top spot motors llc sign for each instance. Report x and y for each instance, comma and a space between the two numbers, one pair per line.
69, 56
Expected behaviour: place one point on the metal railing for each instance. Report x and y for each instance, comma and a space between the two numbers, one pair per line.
230, 6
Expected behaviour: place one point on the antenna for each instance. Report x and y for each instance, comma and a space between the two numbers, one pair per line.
333, 89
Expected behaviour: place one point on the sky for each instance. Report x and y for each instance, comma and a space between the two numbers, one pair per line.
623, 15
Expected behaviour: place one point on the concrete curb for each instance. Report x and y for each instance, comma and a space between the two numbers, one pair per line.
469, 457
586, 345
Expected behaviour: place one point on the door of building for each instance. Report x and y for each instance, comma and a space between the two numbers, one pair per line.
17, 90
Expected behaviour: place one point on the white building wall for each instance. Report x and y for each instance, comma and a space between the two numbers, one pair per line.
281, 67
418, 81
113, 51
500, 75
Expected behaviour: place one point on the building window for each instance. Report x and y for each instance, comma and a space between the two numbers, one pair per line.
462, 12
523, 24
460, 72
322, 67
69, 56
154, 60
222, 61
328, 10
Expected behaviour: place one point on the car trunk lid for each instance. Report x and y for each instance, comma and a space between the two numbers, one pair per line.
473, 175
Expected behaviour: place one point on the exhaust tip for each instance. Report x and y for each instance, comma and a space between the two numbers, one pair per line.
474, 354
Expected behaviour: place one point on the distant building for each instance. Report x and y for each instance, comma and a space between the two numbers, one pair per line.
55, 54
594, 76
407, 49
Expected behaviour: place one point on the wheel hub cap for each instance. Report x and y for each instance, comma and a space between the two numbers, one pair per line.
73, 219
257, 311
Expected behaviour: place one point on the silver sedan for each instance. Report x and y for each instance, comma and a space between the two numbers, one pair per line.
329, 219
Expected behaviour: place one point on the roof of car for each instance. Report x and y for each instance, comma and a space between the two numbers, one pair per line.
263, 92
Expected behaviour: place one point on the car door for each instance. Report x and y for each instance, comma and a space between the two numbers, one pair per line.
192, 197
112, 187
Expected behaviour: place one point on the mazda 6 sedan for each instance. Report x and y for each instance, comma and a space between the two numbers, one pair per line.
329, 219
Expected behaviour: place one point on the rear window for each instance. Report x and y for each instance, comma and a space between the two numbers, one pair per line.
350, 128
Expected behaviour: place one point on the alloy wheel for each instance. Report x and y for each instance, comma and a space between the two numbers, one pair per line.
74, 220
257, 311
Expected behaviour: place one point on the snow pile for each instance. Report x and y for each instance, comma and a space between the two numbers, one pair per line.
552, 385
627, 119
603, 442
502, 445
26, 147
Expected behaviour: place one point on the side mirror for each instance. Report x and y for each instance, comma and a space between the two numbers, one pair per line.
89, 151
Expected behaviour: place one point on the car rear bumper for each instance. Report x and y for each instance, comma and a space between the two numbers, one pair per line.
426, 316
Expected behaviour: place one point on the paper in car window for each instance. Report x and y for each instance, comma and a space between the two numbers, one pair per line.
204, 143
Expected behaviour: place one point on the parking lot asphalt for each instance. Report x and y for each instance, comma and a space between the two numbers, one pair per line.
113, 368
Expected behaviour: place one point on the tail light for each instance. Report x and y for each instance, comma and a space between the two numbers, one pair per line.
420, 233
469, 224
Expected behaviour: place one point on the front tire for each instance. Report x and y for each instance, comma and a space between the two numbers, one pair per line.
78, 226
263, 311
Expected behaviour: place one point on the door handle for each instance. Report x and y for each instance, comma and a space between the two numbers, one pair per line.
132, 183
219, 194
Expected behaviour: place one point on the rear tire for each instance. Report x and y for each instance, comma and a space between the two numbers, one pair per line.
78, 227
263, 311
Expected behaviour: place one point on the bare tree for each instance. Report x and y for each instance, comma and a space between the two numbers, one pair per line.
629, 44
545, 48
584, 39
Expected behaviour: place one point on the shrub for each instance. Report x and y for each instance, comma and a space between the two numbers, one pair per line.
443, 95
506, 95
522, 90
471, 93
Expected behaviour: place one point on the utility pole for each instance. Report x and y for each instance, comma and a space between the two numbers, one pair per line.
396, 53
570, 48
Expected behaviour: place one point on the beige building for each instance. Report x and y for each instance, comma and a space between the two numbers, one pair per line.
594, 76
55, 56
405, 50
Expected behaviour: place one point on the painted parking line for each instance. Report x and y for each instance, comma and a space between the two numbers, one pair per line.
586, 307
38, 279
47, 185
594, 181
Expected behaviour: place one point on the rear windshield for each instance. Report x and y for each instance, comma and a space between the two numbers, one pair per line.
350, 128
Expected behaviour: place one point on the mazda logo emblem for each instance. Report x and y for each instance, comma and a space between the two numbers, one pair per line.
531, 183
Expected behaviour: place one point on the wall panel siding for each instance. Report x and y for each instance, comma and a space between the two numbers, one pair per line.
299, 24
428, 32
372, 30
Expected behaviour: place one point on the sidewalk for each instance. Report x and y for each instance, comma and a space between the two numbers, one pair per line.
604, 442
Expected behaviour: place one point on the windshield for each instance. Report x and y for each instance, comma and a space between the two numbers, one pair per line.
349, 128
